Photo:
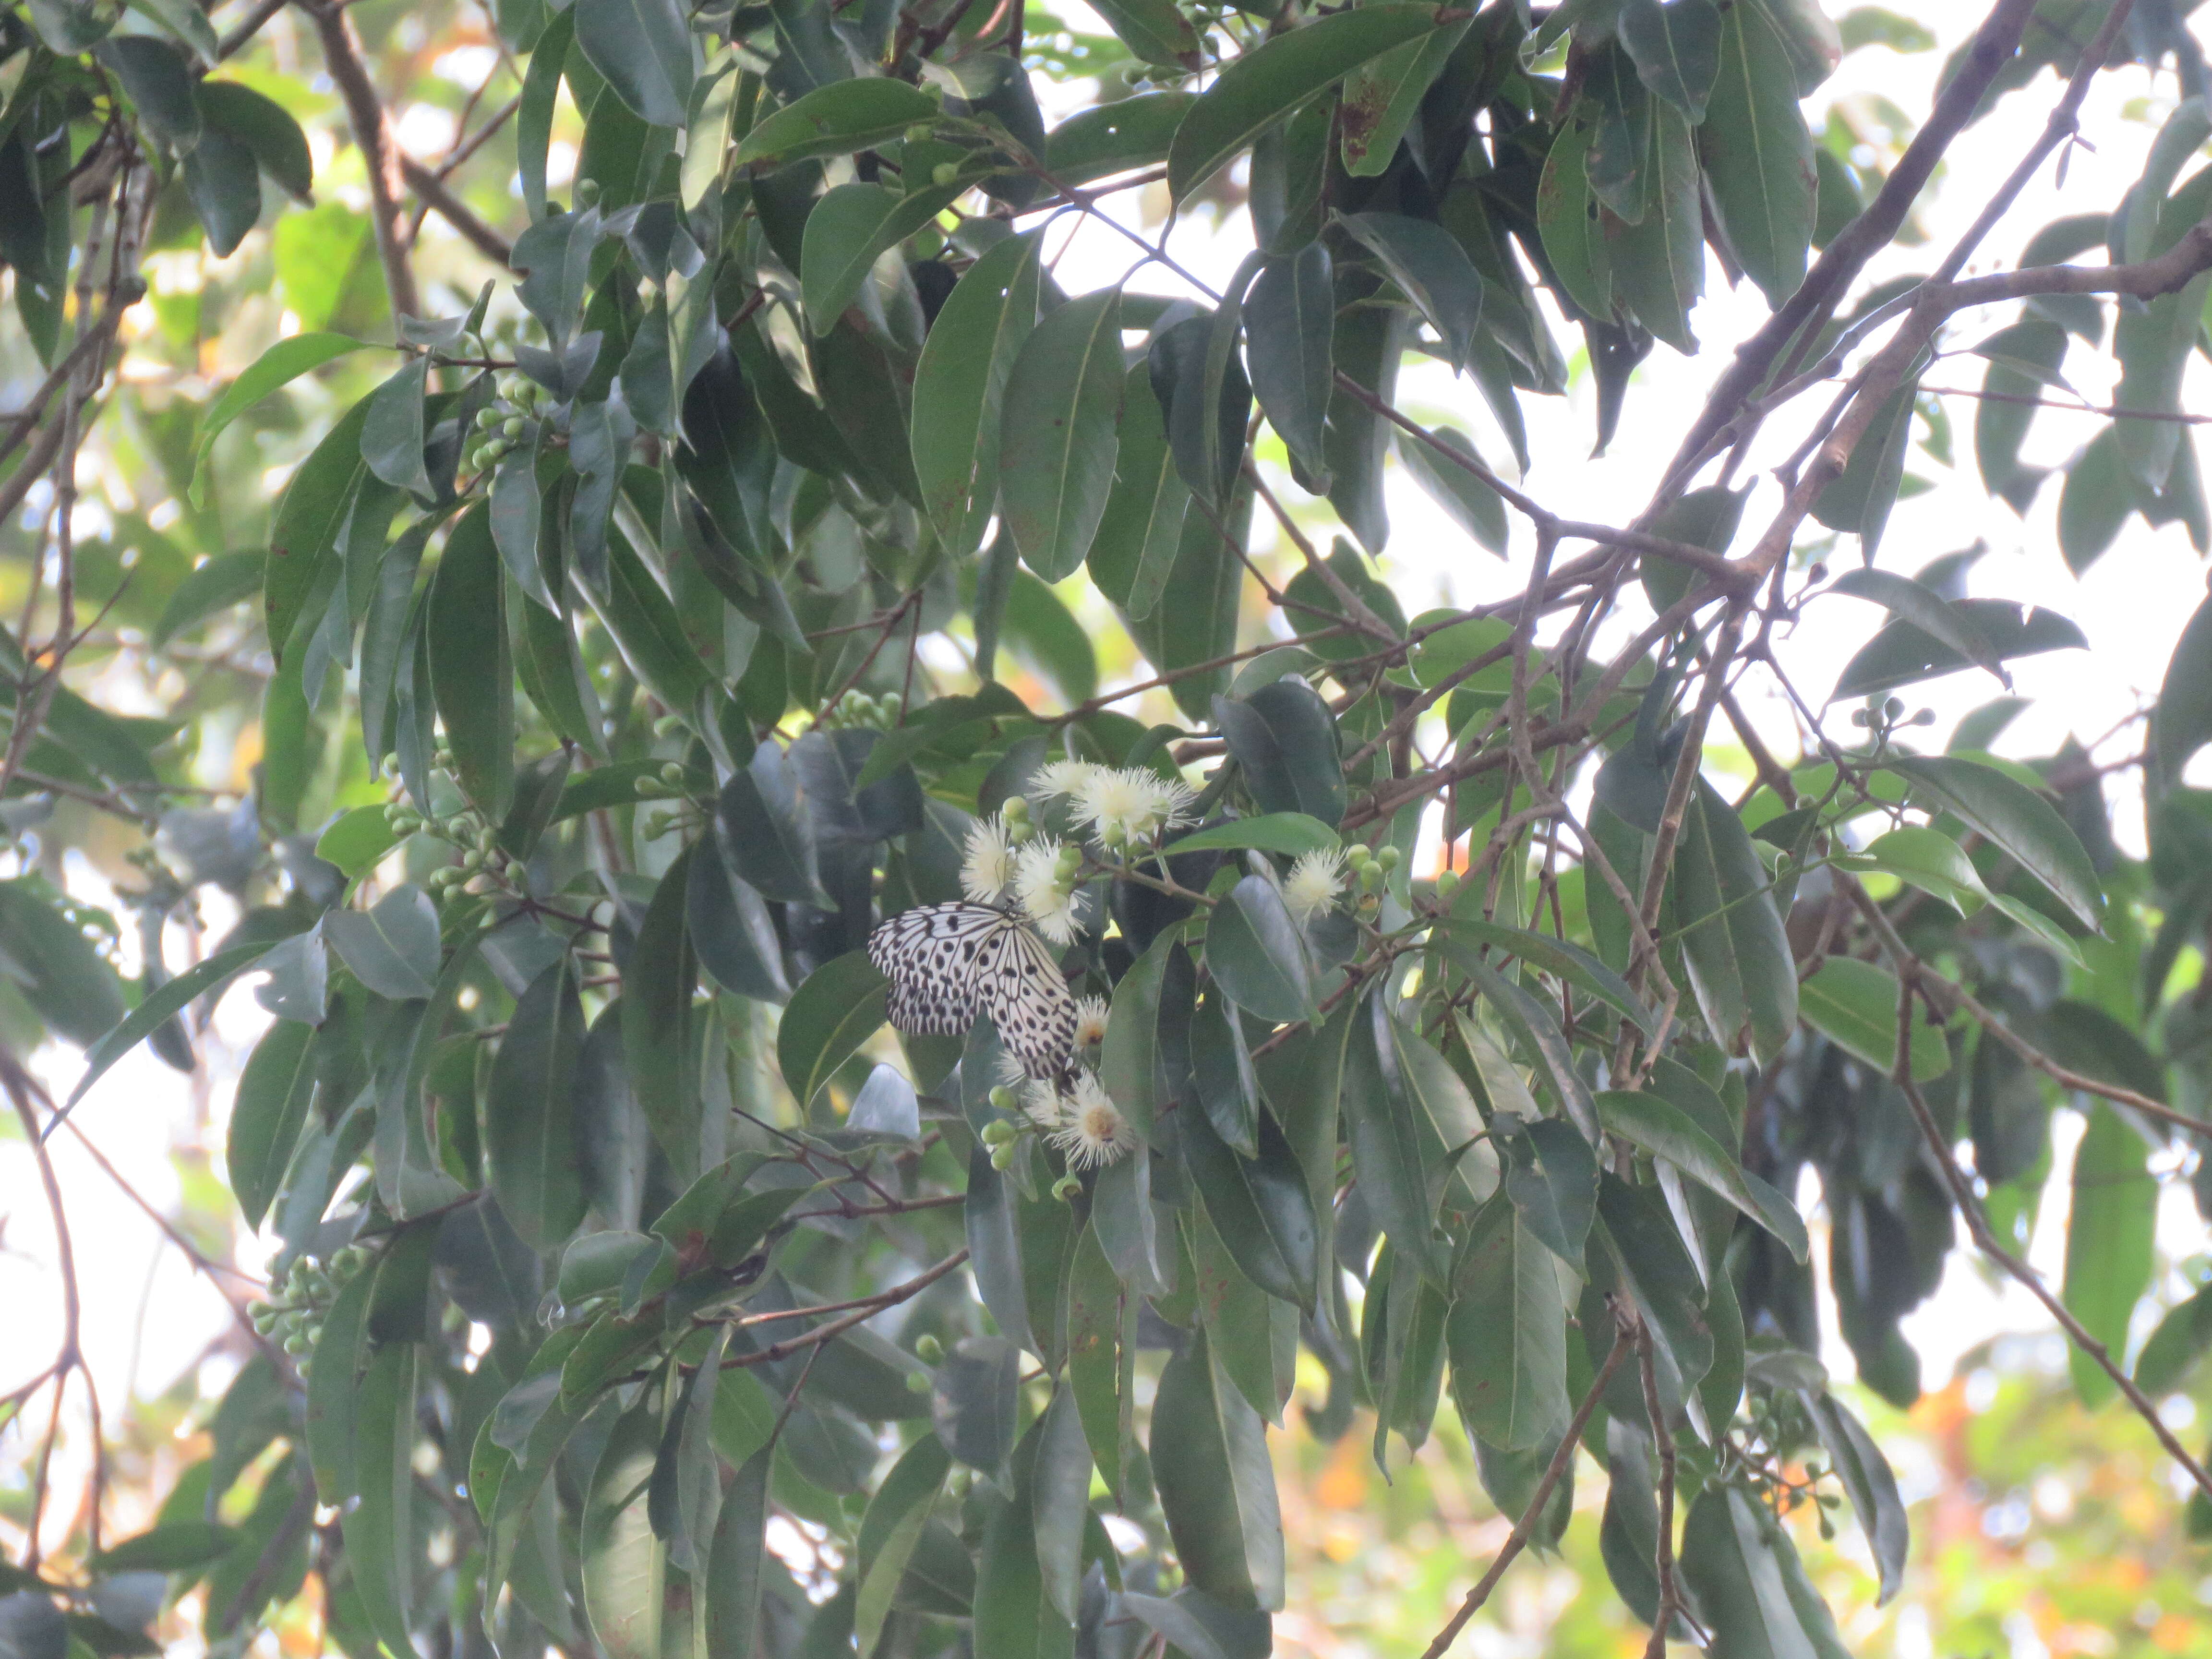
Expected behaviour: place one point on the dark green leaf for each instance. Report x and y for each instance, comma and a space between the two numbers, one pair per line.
1057, 450
271, 1109
1141, 531
1676, 49
1903, 653
834, 1010
1507, 1334
1285, 741
160, 1006
1859, 1464
1666, 1132
1254, 952
960, 384
1433, 271
1759, 154
392, 949
2110, 1236
1290, 319
530, 1133
1854, 1005
1217, 1486
2014, 817
837, 119
644, 49
471, 670
1262, 86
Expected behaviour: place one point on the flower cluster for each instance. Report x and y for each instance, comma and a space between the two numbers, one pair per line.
1005, 858
1122, 806
294, 1321
1074, 1113
1313, 884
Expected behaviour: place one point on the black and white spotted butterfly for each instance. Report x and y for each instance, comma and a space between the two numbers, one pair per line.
947, 963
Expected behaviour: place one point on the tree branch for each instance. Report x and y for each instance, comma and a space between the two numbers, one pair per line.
379, 149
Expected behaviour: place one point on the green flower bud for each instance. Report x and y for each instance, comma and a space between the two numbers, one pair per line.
1389, 858
1016, 809
1004, 1098
651, 789
588, 192
1893, 707
299, 1343
349, 1261
1358, 853
265, 1321
1002, 1157
514, 426
1447, 882
944, 173
668, 726
391, 764
928, 1350
1066, 1188
997, 1131
486, 419
472, 860
916, 1382
672, 774
917, 133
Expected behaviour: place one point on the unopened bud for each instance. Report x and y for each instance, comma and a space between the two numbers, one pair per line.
1004, 1098
944, 173
928, 1350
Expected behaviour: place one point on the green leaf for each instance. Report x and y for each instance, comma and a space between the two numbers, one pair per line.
1759, 154
1430, 268
2111, 1233
1155, 31
961, 381
891, 1527
1043, 633
733, 1573
1383, 97
392, 949
1285, 741
1466, 499
211, 587
356, 841
763, 833
1555, 955
1128, 1058
1289, 323
63, 978
624, 1567
1014, 1615
1903, 653
1060, 1503
1858, 500
1140, 534
171, 1546
531, 1153
836, 1009
850, 228
1539, 1035
1928, 860
311, 517
225, 188
2181, 722
159, 1006
2177, 1346
1262, 86
1676, 49
644, 49
1198, 1626
1732, 937
1216, 1488
658, 1034
1667, 1132
381, 1540
1254, 952
471, 672
266, 128
1568, 218
1745, 1572
1926, 609
280, 365
2019, 822
837, 119
1057, 450
159, 83
1389, 1153
1506, 1334
392, 436
1110, 138
266, 1117
1854, 1005
1287, 833
1859, 1464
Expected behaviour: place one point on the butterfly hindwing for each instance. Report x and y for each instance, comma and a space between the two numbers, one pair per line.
947, 962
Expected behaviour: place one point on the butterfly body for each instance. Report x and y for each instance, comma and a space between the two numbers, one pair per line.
948, 962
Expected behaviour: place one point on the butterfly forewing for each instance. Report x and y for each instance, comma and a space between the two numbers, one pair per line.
1028, 1002
947, 962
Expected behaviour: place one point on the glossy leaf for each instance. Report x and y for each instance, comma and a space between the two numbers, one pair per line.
1665, 1131
837, 1009
2015, 817
1216, 1488
1254, 951
1290, 319
1056, 457
961, 382
837, 120
1433, 271
530, 1115
644, 48
1759, 154
1261, 87
1854, 1003
1507, 1334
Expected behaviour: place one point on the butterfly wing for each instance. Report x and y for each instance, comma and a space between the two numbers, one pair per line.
1020, 987
931, 955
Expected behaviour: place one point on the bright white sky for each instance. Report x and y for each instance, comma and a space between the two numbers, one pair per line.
150, 1319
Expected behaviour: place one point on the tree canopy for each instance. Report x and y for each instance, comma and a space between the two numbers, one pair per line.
883, 912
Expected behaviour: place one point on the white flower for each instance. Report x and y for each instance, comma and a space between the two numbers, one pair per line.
1047, 894
1038, 1099
1089, 1021
1315, 881
989, 864
1059, 777
1126, 805
1093, 1131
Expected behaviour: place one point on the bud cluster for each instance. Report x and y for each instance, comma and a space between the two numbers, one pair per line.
467, 829
294, 1319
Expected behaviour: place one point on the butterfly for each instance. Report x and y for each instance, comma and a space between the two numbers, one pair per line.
946, 962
